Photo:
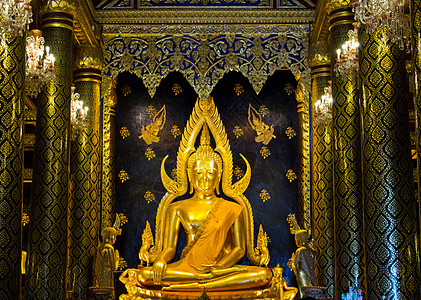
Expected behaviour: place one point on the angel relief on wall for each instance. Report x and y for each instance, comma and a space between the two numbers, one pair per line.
151, 131
264, 132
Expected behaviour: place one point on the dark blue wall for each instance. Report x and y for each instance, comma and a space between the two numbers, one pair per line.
268, 174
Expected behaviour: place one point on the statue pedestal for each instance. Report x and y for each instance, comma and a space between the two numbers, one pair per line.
102, 292
316, 292
141, 293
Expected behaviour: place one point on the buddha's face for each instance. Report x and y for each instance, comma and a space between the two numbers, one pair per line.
205, 175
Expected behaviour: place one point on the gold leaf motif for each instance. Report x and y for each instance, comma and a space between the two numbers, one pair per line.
149, 197
151, 111
290, 132
122, 264
291, 175
175, 131
264, 195
238, 89
289, 88
123, 176
123, 219
150, 153
126, 90
263, 110
25, 219
238, 131
124, 132
177, 89
174, 174
264, 151
238, 172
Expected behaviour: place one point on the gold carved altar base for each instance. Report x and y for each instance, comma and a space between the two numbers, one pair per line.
270, 293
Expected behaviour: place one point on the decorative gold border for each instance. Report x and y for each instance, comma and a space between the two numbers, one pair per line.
205, 16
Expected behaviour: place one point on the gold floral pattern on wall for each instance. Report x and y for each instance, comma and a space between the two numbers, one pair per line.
126, 90
176, 88
122, 264
123, 219
124, 132
238, 89
264, 195
175, 131
263, 131
290, 132
238, 131
149, 197
123, 176
289, 88
151, 131
238, 172
151, 110
291, 175
264, 152
149, 153
263, 110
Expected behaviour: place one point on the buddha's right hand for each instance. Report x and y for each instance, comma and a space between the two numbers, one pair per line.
159, 269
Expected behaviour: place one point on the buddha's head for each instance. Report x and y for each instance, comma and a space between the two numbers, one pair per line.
109, 235
301, 237
204, 167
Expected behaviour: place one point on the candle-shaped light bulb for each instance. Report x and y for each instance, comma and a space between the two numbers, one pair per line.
339, 53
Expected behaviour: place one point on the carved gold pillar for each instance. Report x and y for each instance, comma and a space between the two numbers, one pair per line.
390, 211
85, 174
349, 243
323, 214
304, 148
12, 89
416, 40
108, 156
47, 249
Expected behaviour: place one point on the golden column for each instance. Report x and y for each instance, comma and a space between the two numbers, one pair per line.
390, 211
85, 173
108, 156
12, 92
349, 244
47, 249
323, 217
416, 40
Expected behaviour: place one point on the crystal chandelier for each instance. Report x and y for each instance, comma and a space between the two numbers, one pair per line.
78, 114
347, 61
15, 17
387, 16
323, 107
39, 68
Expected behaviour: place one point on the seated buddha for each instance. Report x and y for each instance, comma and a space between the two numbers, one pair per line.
219, 231
215, 236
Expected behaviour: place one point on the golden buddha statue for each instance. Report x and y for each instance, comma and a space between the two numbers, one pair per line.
106, 261
219, 232
303, 261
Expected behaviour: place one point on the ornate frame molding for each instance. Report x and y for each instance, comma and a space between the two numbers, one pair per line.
205, 16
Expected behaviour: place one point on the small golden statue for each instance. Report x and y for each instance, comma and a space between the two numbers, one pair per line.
281, 285
219, 232
106, 261
303, 260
